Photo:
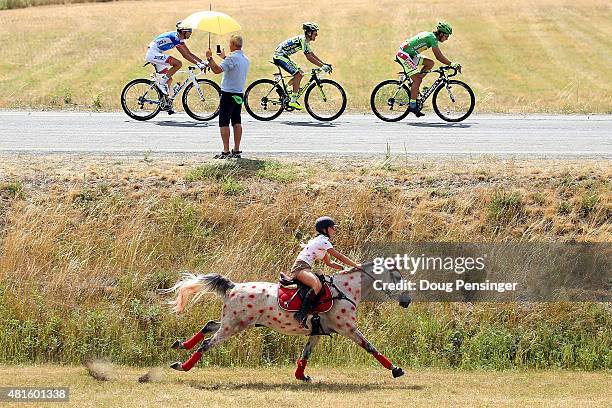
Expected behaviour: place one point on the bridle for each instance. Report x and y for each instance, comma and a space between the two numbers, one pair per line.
342, 296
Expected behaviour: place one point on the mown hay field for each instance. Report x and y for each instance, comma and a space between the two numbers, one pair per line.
16, 4
356, 387
86, 241
519, 56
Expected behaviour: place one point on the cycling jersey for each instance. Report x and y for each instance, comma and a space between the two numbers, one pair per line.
166, 41
419, 43
293, 45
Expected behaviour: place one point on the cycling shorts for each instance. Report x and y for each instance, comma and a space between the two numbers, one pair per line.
285, 63
158, 59
411, 64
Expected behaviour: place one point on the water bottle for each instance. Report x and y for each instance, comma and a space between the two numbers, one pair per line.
176, 88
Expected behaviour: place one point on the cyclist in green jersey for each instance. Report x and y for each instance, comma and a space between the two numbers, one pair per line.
291, 46
409, 55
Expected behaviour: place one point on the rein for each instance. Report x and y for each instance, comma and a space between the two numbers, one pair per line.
341, 295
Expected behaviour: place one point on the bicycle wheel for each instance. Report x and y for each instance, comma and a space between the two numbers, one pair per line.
140, 99
455, 103
263, 99
328, 102
390, 100
202, 104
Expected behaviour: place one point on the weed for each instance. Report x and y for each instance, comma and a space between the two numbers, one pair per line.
276, 171
231, 187
505, 208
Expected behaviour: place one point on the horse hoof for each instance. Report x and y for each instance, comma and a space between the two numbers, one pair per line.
305, 378
177, 345
177, 366
397, 372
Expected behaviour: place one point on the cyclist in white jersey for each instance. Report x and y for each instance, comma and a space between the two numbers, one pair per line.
165, 64
291, 46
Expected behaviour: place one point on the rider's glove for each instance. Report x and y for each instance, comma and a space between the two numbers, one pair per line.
457, 66
327, 68
202, 65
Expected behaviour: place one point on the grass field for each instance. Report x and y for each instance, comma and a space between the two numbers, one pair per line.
85, 241
519, 56
364, 387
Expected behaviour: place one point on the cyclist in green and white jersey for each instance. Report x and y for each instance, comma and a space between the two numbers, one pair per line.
291, 46
409, 55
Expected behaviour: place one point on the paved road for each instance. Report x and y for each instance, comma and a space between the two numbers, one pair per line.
541, 136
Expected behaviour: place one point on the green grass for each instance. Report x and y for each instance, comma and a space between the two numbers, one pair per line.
505, 208
525, 56
13, 189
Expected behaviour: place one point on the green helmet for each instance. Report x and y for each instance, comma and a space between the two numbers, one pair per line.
444, 28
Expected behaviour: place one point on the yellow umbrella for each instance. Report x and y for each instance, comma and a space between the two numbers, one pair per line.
212, 21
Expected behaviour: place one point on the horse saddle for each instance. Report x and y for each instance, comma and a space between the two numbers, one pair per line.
291, 293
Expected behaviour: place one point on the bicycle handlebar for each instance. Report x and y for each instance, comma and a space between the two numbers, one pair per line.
445, 68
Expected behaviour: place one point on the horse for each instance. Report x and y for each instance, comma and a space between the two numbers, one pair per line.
253, 304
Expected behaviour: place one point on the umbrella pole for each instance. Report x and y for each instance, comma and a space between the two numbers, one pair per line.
210, 9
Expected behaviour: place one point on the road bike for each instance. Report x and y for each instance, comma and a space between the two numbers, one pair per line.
453, 100
141, 99
324, 99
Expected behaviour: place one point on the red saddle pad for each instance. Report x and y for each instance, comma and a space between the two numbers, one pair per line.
288, 299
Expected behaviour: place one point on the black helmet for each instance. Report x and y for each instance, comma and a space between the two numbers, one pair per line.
323, 223
310, 26
180, 27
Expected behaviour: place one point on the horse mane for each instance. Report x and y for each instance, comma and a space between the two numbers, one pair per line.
353, 270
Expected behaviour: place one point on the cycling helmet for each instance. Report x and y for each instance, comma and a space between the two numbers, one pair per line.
323, 223
310, 26
444, 28
180, 28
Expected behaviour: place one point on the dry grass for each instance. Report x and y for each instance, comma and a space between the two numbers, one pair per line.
226, 387
97, 219
519, 56
15, 4
85, 241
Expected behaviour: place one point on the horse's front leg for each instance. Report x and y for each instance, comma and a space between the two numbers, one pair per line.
210, 327
303, 360
360, 339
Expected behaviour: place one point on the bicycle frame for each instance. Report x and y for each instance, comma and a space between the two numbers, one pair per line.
428, 91
191, 79
314, 77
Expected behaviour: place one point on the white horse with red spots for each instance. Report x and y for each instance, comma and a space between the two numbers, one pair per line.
249, 304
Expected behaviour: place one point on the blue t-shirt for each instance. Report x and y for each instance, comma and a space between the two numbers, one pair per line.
235, 68
166, 41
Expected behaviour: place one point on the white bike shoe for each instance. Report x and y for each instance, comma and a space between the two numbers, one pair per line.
163, 88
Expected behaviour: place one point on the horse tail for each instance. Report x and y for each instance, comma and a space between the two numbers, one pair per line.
195, 286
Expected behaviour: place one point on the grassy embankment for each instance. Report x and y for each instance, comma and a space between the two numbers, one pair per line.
85, 243
525, 56
355, 387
